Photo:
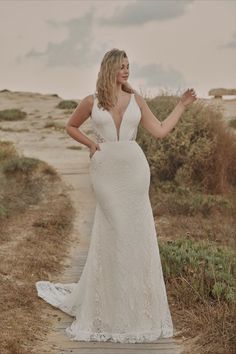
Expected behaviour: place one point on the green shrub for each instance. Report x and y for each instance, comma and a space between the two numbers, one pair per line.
23, 165
7, 150
232, 123
55, 126
3, 212
74, 147
199, 151
208, 270
181, 200
67, 104
12, 114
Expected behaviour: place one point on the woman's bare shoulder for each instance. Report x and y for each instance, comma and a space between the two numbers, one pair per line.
87, 101
88, 98
139, 99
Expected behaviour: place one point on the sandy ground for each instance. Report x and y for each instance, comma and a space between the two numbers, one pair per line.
49, 144
53, 145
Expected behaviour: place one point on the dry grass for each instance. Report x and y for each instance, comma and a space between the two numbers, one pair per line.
199, 152
12, 114
214, 221
209, 328
38, 216
14, 130
193, 189
55, 126
210, 323
232, 123
74, 147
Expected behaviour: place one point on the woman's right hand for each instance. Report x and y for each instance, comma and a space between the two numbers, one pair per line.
188, 97
93, 148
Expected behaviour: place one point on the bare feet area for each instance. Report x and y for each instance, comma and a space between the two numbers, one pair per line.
42, 135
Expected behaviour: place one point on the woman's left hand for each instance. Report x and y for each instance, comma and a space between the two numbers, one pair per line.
188, 97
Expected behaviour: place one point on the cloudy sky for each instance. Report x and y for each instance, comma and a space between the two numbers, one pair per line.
56, 46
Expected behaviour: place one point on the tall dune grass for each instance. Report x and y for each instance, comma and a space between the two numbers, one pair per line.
200, 151
193, 189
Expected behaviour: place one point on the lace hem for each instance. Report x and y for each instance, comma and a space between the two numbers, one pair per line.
131, 337
55, 294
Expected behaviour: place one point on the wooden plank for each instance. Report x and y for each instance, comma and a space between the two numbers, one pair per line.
114, 351
83, 344
65, 342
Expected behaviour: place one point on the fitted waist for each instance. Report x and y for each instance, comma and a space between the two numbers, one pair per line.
121, 147
117, 142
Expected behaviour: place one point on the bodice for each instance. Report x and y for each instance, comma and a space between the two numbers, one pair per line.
104, 127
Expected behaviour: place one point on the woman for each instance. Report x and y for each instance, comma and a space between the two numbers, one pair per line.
121, 294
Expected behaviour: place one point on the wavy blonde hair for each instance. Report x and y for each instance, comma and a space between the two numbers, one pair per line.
106, 82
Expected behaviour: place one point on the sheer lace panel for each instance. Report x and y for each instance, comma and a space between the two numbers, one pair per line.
99, 138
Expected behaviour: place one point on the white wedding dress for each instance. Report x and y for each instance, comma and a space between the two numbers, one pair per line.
121, 294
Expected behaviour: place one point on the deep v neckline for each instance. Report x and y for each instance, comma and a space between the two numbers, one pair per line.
118, 131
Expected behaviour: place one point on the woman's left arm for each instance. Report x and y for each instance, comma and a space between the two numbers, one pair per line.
160, 129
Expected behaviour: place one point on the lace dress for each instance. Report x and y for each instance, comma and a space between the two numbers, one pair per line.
121, 294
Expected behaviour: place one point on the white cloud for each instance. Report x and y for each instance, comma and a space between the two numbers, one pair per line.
141, 12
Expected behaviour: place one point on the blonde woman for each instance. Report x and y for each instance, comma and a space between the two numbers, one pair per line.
121, 295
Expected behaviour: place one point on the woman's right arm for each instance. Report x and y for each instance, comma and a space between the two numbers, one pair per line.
78, 117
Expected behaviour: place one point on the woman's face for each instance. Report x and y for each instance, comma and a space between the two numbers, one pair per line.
123, 73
